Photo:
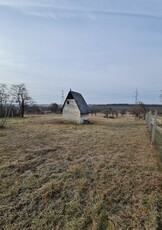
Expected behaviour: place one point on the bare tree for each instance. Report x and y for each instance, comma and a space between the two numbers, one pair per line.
4, 95
109, 113
5, 104
123, 112
20, 95
140, 110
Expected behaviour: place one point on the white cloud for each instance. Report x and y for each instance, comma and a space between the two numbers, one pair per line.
20, 3
73, 8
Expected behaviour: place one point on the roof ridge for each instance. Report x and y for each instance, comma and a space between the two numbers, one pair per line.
80, 101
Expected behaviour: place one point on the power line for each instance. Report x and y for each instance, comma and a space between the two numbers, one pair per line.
136, 96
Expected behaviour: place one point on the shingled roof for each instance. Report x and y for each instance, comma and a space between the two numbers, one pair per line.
81, 103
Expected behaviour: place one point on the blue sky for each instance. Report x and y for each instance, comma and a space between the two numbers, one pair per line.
104, 49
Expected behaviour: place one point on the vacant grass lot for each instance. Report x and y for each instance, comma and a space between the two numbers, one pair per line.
74, 177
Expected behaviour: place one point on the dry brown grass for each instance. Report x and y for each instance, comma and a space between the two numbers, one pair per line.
74, 177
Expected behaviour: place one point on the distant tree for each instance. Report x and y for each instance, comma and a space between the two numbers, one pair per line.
109, 113
123, 112
140, 110
20, 95
116, 113
54, 107
94, 111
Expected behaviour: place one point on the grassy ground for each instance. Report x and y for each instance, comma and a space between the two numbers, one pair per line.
74, 177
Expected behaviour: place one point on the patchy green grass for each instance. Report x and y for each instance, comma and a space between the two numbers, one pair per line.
75, 177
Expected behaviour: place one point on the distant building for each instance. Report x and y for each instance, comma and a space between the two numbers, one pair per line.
75, 108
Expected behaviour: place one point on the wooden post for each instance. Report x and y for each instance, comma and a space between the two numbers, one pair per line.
149, 120
154, 127
146, 117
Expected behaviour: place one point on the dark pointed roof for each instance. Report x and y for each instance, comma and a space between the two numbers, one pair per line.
81, 103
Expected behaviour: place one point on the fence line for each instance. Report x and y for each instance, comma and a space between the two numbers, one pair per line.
153, 122
155, 128
159, 129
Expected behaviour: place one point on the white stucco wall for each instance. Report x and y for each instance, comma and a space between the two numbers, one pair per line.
71, 112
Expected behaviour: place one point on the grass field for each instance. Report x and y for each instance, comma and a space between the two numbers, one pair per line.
73, 177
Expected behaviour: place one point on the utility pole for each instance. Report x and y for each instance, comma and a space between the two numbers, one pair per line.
136, 97
62, 97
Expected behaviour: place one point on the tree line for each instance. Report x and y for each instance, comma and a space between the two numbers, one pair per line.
13, 100
138, 110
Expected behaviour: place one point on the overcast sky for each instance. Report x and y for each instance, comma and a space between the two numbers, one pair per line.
104, 49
